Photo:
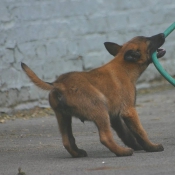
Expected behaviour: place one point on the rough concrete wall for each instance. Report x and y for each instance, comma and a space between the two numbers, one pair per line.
56, 36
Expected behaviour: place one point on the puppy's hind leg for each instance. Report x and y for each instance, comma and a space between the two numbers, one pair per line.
124, 133
65, 126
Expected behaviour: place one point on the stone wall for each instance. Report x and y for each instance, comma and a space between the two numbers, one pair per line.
56, 36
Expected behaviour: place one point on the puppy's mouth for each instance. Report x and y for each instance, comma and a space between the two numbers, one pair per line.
160, 52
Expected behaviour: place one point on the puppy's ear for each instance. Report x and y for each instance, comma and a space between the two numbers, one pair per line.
132, 55
112, 48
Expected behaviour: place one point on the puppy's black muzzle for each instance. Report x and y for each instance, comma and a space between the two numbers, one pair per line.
157, 41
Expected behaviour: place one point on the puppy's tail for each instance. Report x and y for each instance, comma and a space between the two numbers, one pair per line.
37, 81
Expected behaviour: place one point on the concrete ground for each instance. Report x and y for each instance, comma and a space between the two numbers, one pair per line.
35, 144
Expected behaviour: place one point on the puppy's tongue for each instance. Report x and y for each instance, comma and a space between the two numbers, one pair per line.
160, 52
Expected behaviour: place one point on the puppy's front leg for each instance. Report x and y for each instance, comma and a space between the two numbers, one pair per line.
103, 125
124, 133
133, 123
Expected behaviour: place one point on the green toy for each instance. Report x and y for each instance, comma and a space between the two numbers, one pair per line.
156, 62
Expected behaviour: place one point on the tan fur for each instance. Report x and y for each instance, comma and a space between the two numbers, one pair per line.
106, 96
37, 81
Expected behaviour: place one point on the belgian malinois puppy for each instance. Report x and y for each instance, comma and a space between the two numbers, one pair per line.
106, 96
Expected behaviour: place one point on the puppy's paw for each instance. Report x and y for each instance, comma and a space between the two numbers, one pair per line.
159, 147
125, 152
156, 148
81, 153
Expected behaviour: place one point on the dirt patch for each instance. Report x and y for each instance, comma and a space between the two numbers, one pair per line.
26, 114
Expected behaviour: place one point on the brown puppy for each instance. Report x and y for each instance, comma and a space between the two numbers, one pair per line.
106, 96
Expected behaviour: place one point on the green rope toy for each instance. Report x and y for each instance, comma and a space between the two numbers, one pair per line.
169, 78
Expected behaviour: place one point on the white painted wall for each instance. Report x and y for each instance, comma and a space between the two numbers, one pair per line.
56, 36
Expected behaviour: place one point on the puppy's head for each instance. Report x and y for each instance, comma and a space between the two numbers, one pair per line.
138, 50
